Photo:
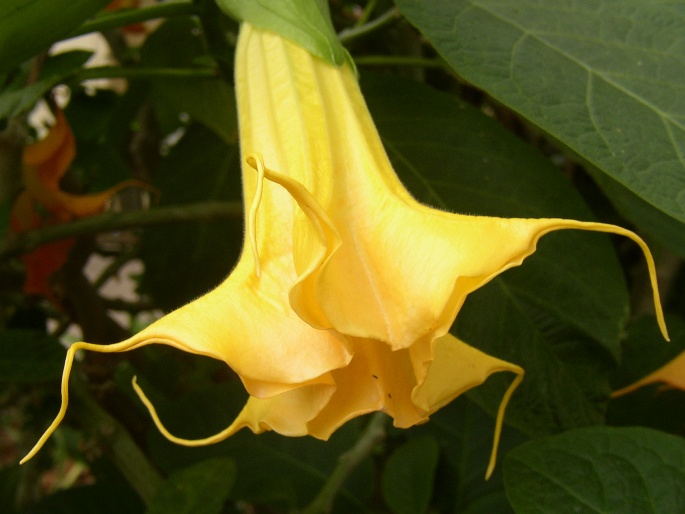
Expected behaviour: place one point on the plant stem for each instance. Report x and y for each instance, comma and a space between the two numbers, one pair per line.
366, 14
392, 60
347, 463
215, 29
110, 72
125, 17
124, 452
389, 16
198, 212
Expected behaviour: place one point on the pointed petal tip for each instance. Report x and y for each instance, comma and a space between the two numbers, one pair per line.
500, 415
651, 266
628, 389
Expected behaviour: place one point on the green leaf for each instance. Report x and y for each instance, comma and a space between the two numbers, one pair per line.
645, 351
465, 434
566, 383
199, 489
176, 42
187, 260
598, 470
56, 69
90, 113
604, 78
94, 118
29, 356
211, 101
408, 476
667, 230
559, 315
28, 27
305, 22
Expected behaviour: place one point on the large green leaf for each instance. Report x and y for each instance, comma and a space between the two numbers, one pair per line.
201, 488
408, 475
598, 470
31, 26
666, 230
560, 314
604, 77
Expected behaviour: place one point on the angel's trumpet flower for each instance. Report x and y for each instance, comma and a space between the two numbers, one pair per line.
346, 289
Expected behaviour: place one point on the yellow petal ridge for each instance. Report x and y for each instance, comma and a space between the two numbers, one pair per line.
252, 218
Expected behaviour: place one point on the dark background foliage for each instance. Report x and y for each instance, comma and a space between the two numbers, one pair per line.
514, 109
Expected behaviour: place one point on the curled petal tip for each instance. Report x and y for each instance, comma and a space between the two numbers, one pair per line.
500, 417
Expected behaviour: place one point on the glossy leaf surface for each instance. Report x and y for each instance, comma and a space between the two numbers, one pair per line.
605, 78
598, 470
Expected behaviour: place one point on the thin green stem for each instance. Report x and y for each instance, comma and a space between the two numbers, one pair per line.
393, 60
125, 17
347, 463
119, 444
366, 14
111, 72
215, 25
347, 35
199, 212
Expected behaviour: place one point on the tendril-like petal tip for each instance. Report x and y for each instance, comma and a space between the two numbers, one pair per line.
500, 419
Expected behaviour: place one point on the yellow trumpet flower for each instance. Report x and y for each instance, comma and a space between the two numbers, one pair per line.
345, 291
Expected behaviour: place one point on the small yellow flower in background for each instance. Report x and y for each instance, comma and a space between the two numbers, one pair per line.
345, 291
671, 374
